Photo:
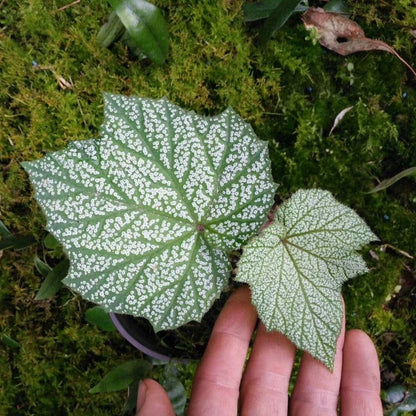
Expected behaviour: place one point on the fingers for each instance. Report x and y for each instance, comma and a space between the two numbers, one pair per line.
217, 380
316, 390
153, 400
264, 389
360, 384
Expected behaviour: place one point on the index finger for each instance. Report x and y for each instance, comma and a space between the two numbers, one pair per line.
217, 380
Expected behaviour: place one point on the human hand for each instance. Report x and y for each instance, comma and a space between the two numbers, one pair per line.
220, 388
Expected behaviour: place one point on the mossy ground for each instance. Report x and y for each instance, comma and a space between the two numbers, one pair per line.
291, 92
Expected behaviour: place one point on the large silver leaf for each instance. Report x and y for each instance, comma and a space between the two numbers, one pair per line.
148, 212
296, 267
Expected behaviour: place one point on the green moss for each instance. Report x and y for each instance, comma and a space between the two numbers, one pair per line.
382, 304
366, 293
57, 349
291, 91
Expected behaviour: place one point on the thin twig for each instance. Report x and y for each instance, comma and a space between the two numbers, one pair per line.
68, 5
62, 82
403, 253
2, 2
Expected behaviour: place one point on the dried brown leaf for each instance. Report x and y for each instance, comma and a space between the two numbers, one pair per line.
339, 117
342, 35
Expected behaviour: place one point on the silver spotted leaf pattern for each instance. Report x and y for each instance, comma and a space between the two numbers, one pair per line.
148, 212
296, 268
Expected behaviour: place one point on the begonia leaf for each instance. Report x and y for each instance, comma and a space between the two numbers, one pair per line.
148, 212
296, 267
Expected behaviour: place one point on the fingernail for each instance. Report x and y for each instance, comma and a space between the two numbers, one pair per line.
141, 396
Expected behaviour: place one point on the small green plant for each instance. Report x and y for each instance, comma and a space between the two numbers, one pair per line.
140, 25
149, 213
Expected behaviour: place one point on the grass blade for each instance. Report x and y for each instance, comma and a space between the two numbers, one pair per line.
4, 232
53, 281
17, 242
388, 182
42, 267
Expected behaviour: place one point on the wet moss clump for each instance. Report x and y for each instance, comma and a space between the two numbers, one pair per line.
290, 91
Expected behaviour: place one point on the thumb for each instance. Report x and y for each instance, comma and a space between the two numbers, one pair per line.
153, 400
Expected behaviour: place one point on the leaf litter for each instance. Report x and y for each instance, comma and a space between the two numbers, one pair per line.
344, 36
